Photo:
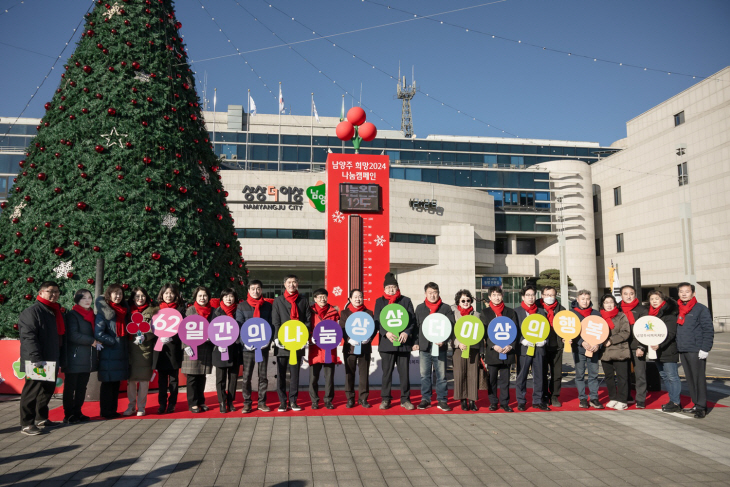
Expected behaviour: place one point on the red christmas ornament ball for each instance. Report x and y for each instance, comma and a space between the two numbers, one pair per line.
69, 274
99, 149
183, 189
90, 281
97, 248
111, 111
27, 297
81, 205
26, 261
147, 208
29, 279
87, 69
57, 190
156, 255
128, 254
182, 280
58, 251
76, 243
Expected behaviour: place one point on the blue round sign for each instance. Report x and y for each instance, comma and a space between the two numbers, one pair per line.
256, 333
502, 331
359, 326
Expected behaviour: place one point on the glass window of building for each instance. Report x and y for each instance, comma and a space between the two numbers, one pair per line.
494, 179
446, 176
434, 145
497, 195
569, 151
617, 196
679, 118
463, 177
504, 161
393, 155
511, 179
682, 174
259, 138
406, 144
479, 179
490, 159
619, 242
413, 174
289, 154
272, 138
430, 175
525, 246
397, 173
598, 247
501, 246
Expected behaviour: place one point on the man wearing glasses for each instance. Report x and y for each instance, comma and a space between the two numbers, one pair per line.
553, 350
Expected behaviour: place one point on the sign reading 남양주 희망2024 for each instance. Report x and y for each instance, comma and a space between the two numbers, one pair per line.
273, 198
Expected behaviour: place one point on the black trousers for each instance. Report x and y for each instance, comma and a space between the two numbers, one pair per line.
196, 390
34, 401
639, 377
329, 382
352, 363
282, 365
74, 393
249, 362
226, 383
617, 379
109, 398
553, 365
694, 372
499, 377
167, 380
389, 360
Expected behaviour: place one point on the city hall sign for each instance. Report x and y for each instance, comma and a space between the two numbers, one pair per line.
273, 198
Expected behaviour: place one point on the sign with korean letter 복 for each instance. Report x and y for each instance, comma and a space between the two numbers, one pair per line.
594, 330
327, 335
649, 331
535, 328
293, 334
567, 326
359, 327
469, 330
165, 324
194, 333
502, 331
256, 333
437, 329
394, 318
223, 332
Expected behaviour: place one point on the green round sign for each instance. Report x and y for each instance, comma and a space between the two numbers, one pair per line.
394, 318
469, 330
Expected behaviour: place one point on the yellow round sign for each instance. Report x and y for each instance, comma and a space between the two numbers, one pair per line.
293, 334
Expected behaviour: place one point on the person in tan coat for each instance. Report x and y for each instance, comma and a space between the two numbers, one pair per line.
616, 352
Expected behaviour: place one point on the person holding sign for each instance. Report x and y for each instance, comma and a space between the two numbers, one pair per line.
536, 361
321, 310
255, 306
553, 349
583, 307
362, 339
497, 367
140, 355
169, 360
434, 364
289, 306
695, 335
466, 369
395, 349
616, 354
667, 356
634, 310
110, 330
228, 359
40, 326
196, 370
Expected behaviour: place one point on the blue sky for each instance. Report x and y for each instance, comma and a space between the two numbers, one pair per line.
524, 90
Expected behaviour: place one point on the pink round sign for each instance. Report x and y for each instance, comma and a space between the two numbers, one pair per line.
223, 332
165, 324
193, 333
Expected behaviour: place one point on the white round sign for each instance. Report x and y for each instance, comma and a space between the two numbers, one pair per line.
649, 331
437, 329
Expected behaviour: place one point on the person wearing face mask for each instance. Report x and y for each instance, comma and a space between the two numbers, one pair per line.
352, 361
196, 370
583, 307
141, 348
466, 370
498, 368
226, 371
616, 354
634, 310
553, 350
535, 362
110, 330
169, 360
322, 310
667, 357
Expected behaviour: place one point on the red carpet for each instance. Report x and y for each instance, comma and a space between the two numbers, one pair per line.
568, 396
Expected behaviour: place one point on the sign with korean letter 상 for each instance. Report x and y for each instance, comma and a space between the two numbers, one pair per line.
293, 334
594, 330
165, 324
469, 330
502, 331
359, 327
327, 335
437, 329
650, 331
194, 333
394, 318
256, 333
567, 326
223, 332
535, 328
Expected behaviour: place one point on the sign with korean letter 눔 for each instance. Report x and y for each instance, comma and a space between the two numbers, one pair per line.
437, 329
469, 330
394, 318
535, 328
502, 331
359, 327
594, 330
327, 335
193, 333
223, 331
256, 333
165, 324
293, 334
649, 331
567, 326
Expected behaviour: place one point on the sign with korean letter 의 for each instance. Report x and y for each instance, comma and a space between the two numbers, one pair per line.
293, 334
535, 328
394, 318
567, 326
359, 327
437, 329
469, 330
650, 331
502, 331
256, 333
223, 332
594, 330
165, 324
194, 333
327, 335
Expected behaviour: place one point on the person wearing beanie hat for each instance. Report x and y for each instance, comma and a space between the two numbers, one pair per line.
390, 354
322, 310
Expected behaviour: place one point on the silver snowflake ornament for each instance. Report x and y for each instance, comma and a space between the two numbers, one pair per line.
338, 217
143, 77
114, 10
114, 135
169, 221
379, 241
337, 291
204, 174
63, 269
17, 211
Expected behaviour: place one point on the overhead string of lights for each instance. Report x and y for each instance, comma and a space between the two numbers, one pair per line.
6, 10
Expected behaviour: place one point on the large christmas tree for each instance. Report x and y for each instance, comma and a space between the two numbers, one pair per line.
121, 169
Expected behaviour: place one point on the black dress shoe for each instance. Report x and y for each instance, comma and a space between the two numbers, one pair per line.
522, 407
83, 418
231, 407
542, 406
170, 408
597, 405
350, 403
700, 413
315, 405
424, 404
584, 404
365, 404
493, 407
464, 405
223, 408
203, 407
161, 410
195, 410
508, 408
691, 410
385, 405
329, 405
473, 406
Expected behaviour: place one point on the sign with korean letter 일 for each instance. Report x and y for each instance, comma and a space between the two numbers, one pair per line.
194, 333
394, 318
567, 326
359, 327
535, 328
293, 334
469, 330
165, 324
437, 329
594, 330
502, 331
256, 333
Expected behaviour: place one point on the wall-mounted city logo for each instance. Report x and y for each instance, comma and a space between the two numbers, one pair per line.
650, 331
427, 205
273, 198
317, 196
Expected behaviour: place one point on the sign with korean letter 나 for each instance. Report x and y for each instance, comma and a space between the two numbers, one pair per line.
256, 333
223, 332
359, 327
535, 328
437, 329
194, 333
594, 330
165, 324
327, 336
567, 326
394, 318
469, 330
649, 331
502, 331
293, 334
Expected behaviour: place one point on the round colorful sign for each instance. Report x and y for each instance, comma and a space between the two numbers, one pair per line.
223, 331
194, 332
594, 330
165, 324
360, 326
437, 329
256, 333
293, 335
138, 326
650, 331
394, 318
535, 328
502, 331
327, 336
567, 326
469, 330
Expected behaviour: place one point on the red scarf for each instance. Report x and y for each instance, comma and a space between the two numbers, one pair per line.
609, 316
392, 299
655, 311
121, 312
434, 307
583, 312
229, 310
86, 313
550, 308
465, 312
684, 309
356, 309
139, 309
56, 308
530, 309
627, 308
321, 310
292, 298
164, 305
256, 305
497, 309
203, 311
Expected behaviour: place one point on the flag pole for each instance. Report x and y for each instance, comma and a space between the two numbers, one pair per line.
248, 127
215, 96
278, 152
311, 143
342, 117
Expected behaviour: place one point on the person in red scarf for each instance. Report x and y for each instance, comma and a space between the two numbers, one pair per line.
616, 353
40, 326
354, 362
391, 355
141, 351
695, 335
466, 370
322, 310
112, 316
667, 356
81, 357
553, 349
498, 369
535, 362
196, 370
633, 309
289, 306
226, 371
169, 360
431, 366
583, 307
255, 306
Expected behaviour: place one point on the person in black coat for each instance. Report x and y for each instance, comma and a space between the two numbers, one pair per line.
255, 306
169, 360
391, 355
226, 371
553, 370
634, 310
535, 362
110, 329
289, 306
353, 362
498, 369
583, 307
667, 359
39, 343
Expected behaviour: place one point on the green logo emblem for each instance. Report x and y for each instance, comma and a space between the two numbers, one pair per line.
316, 195
16, 370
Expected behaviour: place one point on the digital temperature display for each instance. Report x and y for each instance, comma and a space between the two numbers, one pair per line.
360, 198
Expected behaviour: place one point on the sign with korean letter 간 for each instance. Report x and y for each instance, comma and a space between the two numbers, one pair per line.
194, 333
223, 332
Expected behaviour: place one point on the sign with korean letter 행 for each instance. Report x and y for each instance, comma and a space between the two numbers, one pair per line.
567, 326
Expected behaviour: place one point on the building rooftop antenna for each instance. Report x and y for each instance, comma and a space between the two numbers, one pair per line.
406, 93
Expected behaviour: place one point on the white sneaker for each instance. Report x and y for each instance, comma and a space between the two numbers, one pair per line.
129, 412
140, 413
611, 404
620, 406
